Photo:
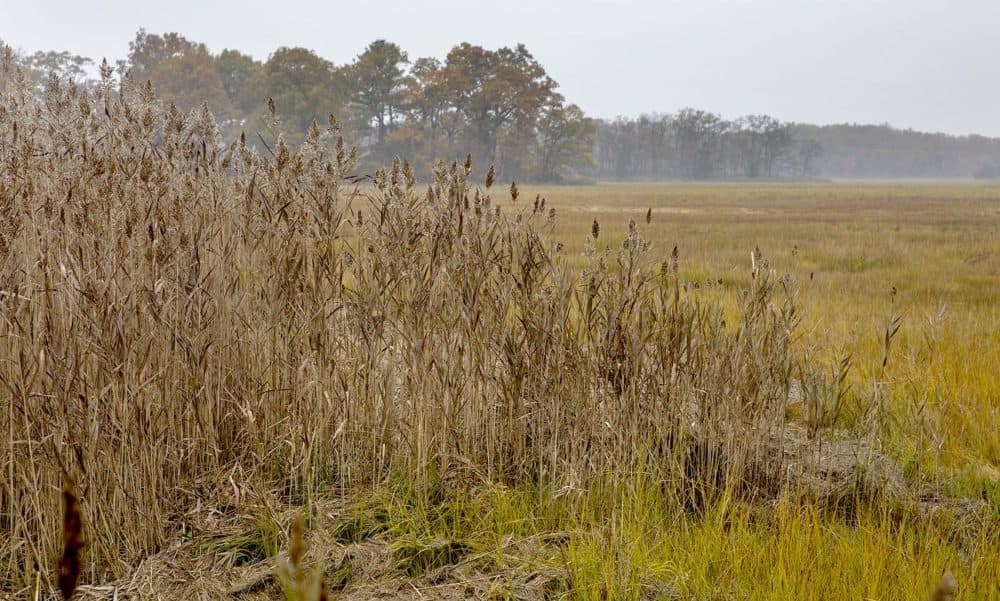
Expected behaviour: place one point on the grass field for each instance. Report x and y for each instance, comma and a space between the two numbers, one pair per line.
850, 245
235, 375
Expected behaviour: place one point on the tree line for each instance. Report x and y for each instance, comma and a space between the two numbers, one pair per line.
696, 144
505, 109
499, 105
882, 151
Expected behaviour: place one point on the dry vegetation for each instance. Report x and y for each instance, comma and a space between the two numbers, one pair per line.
212, 343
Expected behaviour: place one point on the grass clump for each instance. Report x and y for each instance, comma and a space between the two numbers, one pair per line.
365, 526
415, 557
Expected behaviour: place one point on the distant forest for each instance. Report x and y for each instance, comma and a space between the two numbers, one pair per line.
503, 108
693, 144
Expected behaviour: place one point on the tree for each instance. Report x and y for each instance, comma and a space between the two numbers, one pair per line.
37, 67
191, 79
182, 71
9, 62
616, 148
776, 141
377, 76
809, 150
64, 65
747, 143
493, 91
240, 73
148, 50
697, 136
566, 140
427, 119
305, 88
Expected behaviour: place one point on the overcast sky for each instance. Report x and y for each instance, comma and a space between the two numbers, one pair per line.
924, 64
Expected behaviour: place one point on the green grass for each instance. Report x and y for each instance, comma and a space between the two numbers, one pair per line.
629, 540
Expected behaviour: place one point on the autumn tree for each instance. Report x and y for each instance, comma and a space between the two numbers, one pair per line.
190, 80
494, 91
148, 50
182, 72
499, 105
428, 126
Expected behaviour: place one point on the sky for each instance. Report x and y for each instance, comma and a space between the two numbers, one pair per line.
930, 65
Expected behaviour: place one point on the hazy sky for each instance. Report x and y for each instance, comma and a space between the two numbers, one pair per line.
926, 64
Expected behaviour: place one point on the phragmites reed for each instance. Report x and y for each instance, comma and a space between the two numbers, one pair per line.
490, 177
297, 548
299, 582
69, 564
595, 229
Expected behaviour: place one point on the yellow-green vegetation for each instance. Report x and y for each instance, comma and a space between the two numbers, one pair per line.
260, 375
929, 252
